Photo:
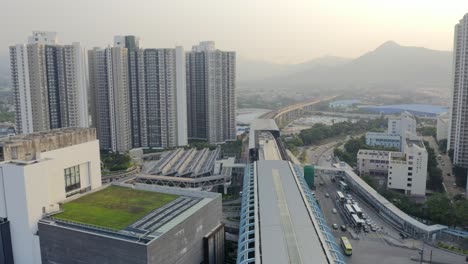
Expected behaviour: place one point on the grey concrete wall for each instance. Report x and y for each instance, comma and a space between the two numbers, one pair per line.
183, 244
25, 147
66, 246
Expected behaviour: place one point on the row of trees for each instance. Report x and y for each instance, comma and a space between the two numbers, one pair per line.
427, 131
319, 131
116, 161
434, 174
439, 208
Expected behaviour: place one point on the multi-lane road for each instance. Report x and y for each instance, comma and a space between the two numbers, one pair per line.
383, 246
445, 165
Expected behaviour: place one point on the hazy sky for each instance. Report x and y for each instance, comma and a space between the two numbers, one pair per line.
283, 31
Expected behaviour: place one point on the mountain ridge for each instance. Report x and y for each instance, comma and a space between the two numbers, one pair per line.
390, 65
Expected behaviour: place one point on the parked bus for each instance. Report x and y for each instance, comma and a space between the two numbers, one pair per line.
358, 222
347, 248
349, 210
343, 185
357, 209
340, 196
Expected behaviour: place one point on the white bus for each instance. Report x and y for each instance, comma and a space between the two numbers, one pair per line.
357, 209
349, 210
340, 196
343, 185
358, 222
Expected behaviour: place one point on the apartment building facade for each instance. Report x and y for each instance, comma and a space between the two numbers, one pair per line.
152, 98
50, 84
111, 101
458, 133
211, 102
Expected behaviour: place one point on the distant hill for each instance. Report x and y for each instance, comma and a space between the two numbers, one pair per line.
252, 71
390, 66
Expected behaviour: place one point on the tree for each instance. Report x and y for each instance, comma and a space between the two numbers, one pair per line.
433, 172
427, 131
371, 181
440, 209
461, 212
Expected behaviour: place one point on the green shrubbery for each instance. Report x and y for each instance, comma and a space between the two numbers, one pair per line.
116, 161
321, 131
452, 248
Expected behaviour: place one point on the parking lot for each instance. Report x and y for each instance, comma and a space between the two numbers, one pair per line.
384, 246
368, 247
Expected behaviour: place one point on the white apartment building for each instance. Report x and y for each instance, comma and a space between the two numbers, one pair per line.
458, 133
211, 100
405, 171
140, 95
50, 82
108, 71
37, 172
398, 128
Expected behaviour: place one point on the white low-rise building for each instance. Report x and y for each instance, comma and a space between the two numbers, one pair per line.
373, 162
398, 128
383, 140
405, 171
37, 172
405, 123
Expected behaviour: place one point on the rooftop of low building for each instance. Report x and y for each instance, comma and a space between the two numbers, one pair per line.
136, 213
24, 147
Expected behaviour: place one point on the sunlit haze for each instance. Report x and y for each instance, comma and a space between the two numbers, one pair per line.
279, 31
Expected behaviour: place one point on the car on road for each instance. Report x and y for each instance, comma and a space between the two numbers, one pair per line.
364, 216
366, 228
374, 228
327, 195
343, 228
454, 184
335, 226
334, 210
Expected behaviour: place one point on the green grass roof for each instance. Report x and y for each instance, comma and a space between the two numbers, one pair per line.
114, 207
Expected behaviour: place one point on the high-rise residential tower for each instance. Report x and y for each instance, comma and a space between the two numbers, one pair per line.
458, 133
111, 103
153, 93
50, 82
157, 94
211, 102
